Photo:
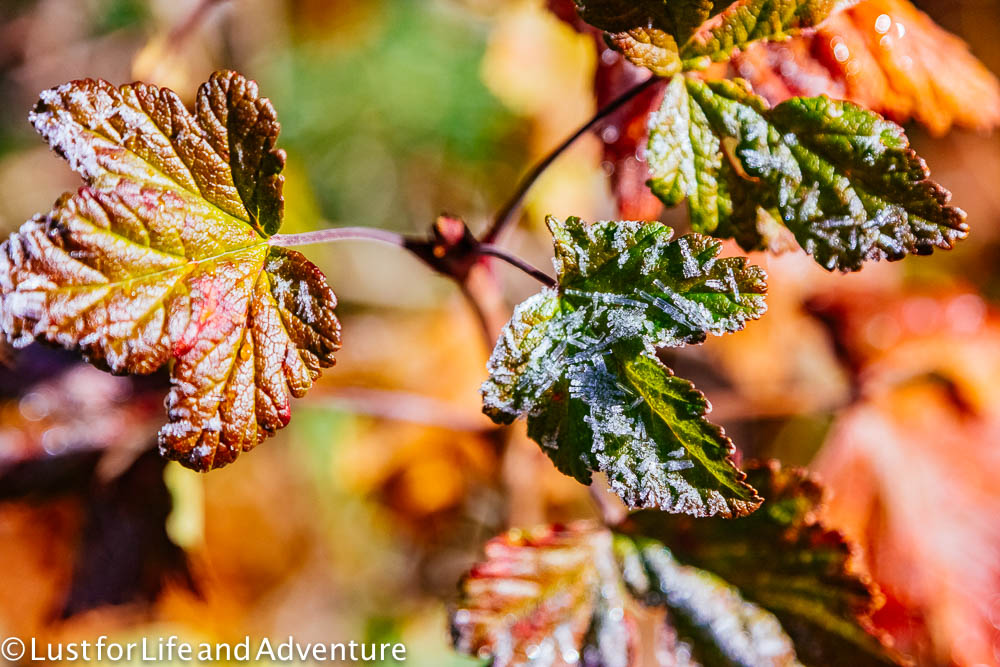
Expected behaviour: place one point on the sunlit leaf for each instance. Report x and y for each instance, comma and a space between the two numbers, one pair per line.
843, 180
163, 258
653, 49
552, 597
745, 21
579, 362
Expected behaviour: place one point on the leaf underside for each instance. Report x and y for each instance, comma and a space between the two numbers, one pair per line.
579, 362
163, 258
776, 590
843, 180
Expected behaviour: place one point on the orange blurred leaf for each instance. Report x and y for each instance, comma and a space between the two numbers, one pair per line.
885, 55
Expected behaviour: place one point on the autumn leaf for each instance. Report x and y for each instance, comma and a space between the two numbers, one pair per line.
941, 410
885, 55
164, 258
778, 588
843, 180
548, 597
744, 22
579, 362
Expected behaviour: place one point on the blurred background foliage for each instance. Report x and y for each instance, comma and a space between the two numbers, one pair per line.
357, 520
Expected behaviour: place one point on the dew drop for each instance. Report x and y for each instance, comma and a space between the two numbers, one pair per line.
883, 23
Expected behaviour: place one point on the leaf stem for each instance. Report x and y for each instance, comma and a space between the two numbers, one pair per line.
338, 234
506, 214
514, 260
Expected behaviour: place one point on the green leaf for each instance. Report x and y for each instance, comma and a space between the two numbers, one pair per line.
780, 559
746, 21
668, 36
163, 258
843, 180
550, 597
579, 361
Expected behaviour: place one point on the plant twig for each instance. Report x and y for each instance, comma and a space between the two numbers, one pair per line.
403, 406
514, 260
506, 214
339, 234
611, 509
187, 26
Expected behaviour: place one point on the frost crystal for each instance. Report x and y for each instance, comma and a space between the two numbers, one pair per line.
745, 633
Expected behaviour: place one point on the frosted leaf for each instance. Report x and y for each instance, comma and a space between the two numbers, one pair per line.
578, 361
163, 259
843, 180
707, 610
667, 37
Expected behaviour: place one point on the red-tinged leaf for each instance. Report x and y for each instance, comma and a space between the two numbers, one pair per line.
912, 466
164, 258
552, 597
885, 55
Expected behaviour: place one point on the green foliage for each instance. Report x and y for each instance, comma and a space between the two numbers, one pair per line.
163, 258
579, 361
774, 588
843, 180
